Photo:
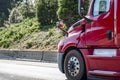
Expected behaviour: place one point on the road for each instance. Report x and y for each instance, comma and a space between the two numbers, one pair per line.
23, 70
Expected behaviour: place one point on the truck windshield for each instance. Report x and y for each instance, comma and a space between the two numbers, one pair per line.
100, 6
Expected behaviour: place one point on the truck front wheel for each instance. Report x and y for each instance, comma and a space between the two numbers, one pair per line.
74, 66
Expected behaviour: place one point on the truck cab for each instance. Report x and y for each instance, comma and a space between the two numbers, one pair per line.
92, 45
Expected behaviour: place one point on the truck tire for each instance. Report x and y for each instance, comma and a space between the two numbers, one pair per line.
74, 66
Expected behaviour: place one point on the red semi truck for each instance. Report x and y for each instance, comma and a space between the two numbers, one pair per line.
92, 45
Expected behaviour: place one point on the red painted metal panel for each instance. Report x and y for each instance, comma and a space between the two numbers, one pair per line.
96, 31
104, 63
117, 39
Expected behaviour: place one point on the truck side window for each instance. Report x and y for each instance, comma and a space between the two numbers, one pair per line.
100, 6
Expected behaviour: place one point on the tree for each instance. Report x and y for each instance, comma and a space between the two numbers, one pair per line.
14, 3
46, 11
21, 12
68, 11
15, 16
4, 5
2, 19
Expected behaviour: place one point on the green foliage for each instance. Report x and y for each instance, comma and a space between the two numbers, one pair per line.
17, 31
46, 11
2, 19
51, 32
14, 3
4, 6
29, 45
26, 10
47, 27
68, 11
15, 16
21, 12
5, 43
27, 35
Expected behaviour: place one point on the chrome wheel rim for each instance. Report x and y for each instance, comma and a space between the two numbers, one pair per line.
73, 66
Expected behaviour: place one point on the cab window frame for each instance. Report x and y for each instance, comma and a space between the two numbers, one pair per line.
101, 13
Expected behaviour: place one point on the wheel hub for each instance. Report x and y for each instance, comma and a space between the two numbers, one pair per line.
73, 66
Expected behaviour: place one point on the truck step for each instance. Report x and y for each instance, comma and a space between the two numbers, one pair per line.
105, 73
97, 78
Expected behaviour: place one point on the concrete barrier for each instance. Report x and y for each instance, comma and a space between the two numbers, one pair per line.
50, 56
42, 56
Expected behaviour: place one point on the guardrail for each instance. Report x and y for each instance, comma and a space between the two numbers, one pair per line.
31, 55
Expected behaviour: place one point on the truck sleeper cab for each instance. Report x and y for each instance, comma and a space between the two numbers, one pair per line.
92, 45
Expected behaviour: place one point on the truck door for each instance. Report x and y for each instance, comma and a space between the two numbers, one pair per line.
117, 25
100, 31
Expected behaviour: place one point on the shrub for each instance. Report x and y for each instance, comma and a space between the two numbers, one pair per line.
28, 45
68, 11
5, 43
50, 32
18, 31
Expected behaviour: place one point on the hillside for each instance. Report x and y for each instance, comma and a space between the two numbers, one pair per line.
29, 34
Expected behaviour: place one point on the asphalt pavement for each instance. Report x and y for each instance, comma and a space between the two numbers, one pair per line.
22, 70
26, 70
